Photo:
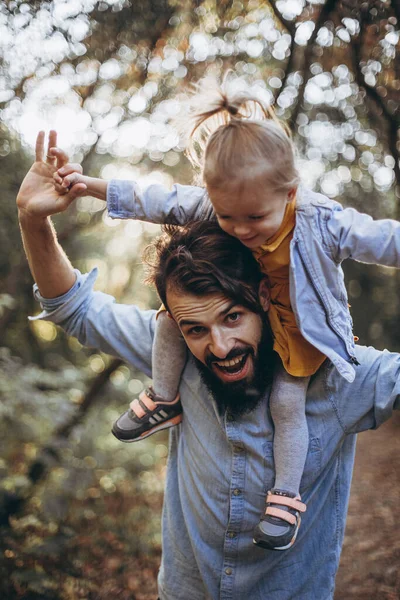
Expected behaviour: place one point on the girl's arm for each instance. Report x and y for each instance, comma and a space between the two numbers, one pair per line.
95, 187
356, 235
157, 204
126, 200
69, 174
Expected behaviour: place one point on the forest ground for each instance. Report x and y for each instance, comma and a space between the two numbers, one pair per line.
370, 564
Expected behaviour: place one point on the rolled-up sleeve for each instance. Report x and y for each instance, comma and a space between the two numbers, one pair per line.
98, 321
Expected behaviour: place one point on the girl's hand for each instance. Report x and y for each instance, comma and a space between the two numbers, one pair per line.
68, 175
37, 198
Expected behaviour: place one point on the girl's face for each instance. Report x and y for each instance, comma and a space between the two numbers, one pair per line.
252, 216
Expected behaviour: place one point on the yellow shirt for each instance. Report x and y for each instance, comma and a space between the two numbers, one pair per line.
298, 356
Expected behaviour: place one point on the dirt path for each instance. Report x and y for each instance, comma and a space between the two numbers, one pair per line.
370, 565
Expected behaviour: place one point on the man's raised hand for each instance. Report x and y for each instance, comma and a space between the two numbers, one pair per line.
38, 197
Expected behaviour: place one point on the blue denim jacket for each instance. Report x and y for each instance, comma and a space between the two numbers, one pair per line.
325, 234
219, 469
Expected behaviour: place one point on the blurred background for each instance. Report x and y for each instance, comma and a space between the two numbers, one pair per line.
79, 511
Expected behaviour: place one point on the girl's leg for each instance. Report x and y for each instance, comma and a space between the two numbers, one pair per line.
287, 405
279, 524
169, 357
158, 407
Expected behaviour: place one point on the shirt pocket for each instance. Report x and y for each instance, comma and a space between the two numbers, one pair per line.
312, 467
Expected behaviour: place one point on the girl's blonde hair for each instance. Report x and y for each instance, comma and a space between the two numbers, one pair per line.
236, 139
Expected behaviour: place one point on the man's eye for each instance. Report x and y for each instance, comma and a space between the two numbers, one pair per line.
233, 317
256, 217
196, 330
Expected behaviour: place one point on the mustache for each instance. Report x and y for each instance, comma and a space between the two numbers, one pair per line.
237, 351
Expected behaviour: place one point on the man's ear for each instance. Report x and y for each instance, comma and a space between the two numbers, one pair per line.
263, 294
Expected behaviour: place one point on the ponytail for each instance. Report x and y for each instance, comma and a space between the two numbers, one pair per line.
231, 128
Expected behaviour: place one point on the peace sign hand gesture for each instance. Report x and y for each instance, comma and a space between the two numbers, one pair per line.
37, 197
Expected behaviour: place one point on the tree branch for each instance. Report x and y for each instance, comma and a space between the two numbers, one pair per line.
289, 25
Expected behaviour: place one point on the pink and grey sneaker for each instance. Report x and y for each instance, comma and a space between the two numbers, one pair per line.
279, 525
147, 415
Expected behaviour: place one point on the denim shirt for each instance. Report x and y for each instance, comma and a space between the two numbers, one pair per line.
220, 468
325, 234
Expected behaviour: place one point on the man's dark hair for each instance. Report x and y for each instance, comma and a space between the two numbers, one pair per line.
200, 259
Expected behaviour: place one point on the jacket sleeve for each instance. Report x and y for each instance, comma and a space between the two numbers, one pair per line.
98, 321
356, 235
156, 204
373, 396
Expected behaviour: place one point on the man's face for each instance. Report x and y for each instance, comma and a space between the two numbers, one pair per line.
222, 335
231, 344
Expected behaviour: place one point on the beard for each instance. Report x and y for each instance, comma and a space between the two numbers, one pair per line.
243, 396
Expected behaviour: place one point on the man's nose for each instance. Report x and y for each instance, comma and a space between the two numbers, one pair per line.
219, 345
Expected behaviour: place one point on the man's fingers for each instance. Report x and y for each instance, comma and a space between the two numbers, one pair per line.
39, 146
61, 156
59, 189
52, 139
57, 179
51, 143
76, 191
66, 198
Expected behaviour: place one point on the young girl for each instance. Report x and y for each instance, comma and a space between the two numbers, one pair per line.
248, 168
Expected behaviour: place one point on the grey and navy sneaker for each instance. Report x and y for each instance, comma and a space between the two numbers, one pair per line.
279, 525
147, 415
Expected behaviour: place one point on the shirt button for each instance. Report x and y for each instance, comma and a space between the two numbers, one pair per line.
228, 571
231, 534
321, 201
236, 492
230, 417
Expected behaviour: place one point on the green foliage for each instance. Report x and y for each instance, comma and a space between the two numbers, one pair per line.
96, 512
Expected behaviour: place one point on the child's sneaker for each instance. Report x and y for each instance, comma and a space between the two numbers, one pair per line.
279, 525
148, 414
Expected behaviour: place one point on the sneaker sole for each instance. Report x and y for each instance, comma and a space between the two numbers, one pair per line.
166, 425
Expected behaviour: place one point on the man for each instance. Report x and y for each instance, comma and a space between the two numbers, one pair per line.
220, 464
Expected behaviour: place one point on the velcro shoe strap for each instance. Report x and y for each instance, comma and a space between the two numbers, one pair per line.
142, 406
137, 408
285, 501
146, 401
281, 514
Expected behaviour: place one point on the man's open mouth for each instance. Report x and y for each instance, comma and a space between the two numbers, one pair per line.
234, 368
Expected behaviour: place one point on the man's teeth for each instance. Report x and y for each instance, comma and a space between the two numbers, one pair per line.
230, 363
